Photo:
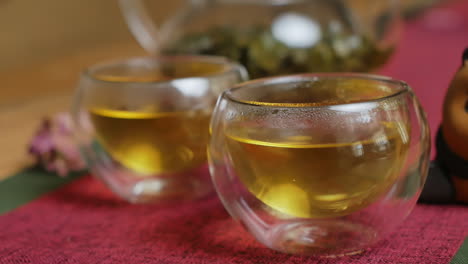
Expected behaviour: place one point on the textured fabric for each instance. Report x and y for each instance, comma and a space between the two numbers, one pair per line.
84, 223
462, 255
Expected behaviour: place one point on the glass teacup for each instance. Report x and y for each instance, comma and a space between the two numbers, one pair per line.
319, 164
142, 123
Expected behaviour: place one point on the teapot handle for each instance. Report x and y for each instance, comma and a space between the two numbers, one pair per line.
141, 24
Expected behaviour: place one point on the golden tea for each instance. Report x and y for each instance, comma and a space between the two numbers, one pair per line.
153, 142
303, 176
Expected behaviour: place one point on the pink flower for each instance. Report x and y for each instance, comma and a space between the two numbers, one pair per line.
54, 147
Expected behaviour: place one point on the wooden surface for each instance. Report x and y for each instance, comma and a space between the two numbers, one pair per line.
31, 93
43, 47
38, 31
18, 123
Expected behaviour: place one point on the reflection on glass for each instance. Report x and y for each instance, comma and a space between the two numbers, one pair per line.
296, 31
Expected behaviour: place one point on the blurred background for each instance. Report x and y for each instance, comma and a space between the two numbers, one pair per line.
45, 43
43, 47
76, 33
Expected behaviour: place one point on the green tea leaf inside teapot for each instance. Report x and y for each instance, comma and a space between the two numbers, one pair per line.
263, 54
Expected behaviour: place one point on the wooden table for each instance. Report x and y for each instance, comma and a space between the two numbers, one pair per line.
31, 93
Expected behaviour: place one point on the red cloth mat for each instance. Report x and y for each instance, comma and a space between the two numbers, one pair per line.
84, 223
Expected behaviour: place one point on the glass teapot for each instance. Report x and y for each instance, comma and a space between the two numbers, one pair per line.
273, 37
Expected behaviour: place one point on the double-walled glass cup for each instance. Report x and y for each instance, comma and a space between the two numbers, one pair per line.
142, 123
319, 164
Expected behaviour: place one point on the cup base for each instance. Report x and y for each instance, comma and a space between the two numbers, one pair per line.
187, 185
325, 238
153, 190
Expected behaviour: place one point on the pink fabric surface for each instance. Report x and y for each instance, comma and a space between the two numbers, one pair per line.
84, 223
